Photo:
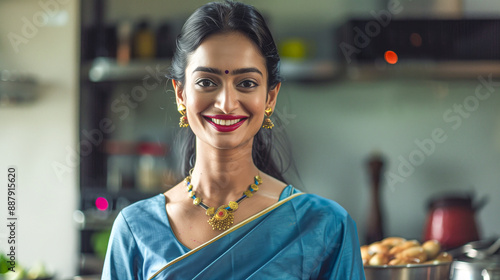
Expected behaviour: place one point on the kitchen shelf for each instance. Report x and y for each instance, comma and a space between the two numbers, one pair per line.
310, 70
17, 88
109, 70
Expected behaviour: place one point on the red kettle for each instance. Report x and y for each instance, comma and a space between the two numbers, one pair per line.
451, 220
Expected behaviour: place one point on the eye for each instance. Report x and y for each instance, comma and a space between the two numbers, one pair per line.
248, 84
205, 83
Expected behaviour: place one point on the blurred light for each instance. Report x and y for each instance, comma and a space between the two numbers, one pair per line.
59, 18
293, 48
391, 57
416, 39
96, 73
101, 203
79, 217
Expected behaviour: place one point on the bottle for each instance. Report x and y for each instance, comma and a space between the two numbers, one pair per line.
165, 41
123, 52
144, 41
150, 166
120, 174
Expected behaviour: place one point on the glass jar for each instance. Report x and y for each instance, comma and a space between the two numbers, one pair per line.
150, 166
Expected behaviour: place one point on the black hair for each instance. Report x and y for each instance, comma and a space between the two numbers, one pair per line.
221, 17
270, 151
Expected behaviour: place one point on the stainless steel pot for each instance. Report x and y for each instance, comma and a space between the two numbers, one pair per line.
477, 260
472, 269
439, 271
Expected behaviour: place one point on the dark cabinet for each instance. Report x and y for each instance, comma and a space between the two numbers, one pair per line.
127, 124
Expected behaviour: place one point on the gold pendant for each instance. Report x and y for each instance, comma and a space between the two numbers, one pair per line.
222, 219
268, 123
183, 122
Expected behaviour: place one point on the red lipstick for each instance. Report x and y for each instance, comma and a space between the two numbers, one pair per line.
225, 123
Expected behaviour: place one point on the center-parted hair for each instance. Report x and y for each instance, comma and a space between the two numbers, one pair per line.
221, 17
270, 151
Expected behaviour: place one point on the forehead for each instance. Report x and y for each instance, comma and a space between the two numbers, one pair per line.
227, 51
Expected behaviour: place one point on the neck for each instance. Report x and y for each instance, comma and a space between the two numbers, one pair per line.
222, 175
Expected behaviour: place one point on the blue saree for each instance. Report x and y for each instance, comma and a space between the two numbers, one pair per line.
303, 236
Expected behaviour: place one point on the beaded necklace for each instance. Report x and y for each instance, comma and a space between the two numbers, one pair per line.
223, 217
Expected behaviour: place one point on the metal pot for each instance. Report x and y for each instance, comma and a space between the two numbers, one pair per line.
439, 271
472, 269
477, 260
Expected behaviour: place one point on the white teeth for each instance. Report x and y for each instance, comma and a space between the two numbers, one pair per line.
225, 122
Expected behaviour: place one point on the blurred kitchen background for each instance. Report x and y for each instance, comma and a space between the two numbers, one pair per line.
89, 120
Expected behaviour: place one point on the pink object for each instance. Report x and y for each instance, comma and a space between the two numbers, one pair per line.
101, 203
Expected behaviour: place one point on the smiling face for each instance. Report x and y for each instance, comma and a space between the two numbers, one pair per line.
225, 90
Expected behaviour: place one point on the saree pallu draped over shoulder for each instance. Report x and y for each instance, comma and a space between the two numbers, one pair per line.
303, 236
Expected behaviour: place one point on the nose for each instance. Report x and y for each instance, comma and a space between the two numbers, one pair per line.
227, 100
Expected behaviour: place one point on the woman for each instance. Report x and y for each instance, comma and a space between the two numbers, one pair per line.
233, 217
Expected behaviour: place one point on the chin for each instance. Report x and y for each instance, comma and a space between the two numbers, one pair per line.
229, 144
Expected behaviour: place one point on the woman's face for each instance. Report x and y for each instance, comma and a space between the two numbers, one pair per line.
225, 90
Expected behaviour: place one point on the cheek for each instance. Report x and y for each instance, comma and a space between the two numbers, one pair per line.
194, 99
194, 104
257, 102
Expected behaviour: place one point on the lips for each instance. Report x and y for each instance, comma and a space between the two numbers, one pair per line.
225, 123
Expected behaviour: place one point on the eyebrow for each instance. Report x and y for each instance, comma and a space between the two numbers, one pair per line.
208, 69
234, 72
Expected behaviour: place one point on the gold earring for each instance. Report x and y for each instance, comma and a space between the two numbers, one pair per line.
183, 121
268, 123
